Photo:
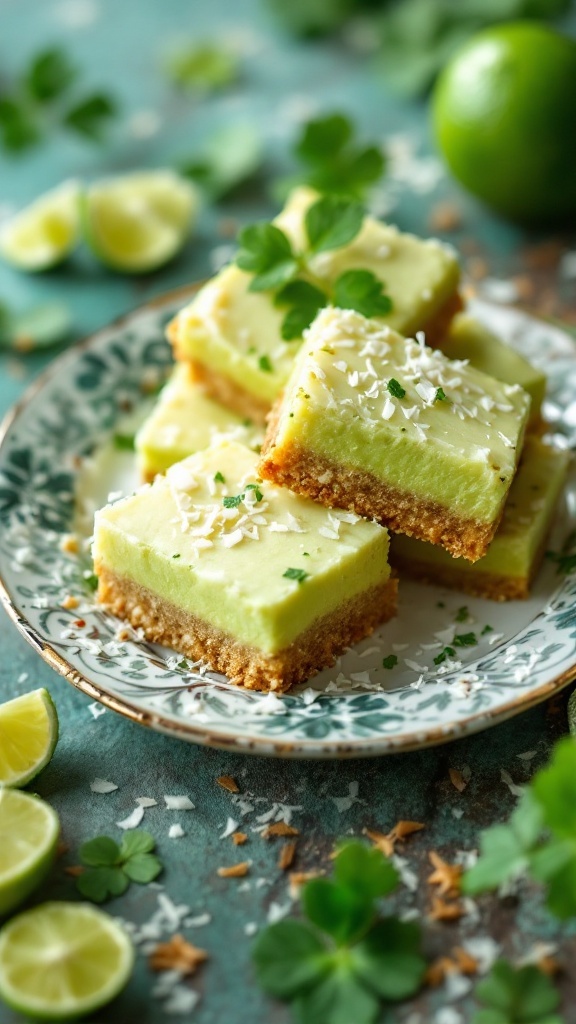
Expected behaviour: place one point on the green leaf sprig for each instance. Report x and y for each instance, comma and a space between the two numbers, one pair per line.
111, 868
267, 253
332, 160
516, 995
44, 96
341, 962
202, 67
539, 839
37, 328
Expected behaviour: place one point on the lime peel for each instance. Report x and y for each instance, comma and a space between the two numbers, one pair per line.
29, 831
28, 736
43, 234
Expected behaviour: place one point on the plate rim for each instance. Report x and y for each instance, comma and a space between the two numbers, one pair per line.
220, 738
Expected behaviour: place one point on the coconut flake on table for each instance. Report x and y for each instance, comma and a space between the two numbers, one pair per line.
231, 827
179, 803
146, 801
514, 788
133, 819
176, 831
200, 921
344, 803
102, 786
96, 709
276, 911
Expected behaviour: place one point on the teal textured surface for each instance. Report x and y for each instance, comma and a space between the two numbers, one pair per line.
119, 46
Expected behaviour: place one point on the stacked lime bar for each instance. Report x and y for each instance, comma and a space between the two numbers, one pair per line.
267, 567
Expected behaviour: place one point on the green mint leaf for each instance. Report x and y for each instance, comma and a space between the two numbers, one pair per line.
388, 959
462, 615
288, 957
204, 67
257, 492
142, 868
296, 321
554, 787
341, 912
487, 629
505, 849
395, 388
366, 871
300, 293
264, 364
18, 127
218, 478
465, 640
323, 138
340, 998
266, 252
448, 652
232, 157
102, 883
136, 841
100, 852
361, 290
176, 556
520, 994
332, 222
91, 581
124, 442
232, 500
50, 74
90, 116
390, 661
440, 395
296, 574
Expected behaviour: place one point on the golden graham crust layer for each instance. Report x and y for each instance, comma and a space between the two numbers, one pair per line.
307, 473
244, 403
477, 584
315, 649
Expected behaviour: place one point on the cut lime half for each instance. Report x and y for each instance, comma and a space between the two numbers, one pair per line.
28, 736
63, 960
43, 234
137, 223
29, 830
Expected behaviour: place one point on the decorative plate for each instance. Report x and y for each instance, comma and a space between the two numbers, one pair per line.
58, 462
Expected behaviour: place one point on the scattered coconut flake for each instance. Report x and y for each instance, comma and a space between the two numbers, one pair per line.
102, 786
250, 928
276, 911
146, 801
176, 831
527, 755
199, 921
179, 803
231, 827
96, 709
514, 788
447, 1015
133, 820
344, 803
182, 1000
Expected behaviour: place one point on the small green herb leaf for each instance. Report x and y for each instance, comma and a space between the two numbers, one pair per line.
50, 74
440, 395
339, 911
516, 995
288, 957
142, 868
265, 364
465, 639
266, 252
388, 959
219, 478
447, 652
339, 998
505, 849
462, 615
296, 574
361, 290
136, 841
100, 852
364, 870
124, 442
203, 67
90, 116
257, 492
390, 661
232, 157
331, 159
19, 129
102, 883
232, 500
395, 388
332, 222
324, 137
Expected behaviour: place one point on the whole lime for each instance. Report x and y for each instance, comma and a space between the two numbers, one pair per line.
504, 112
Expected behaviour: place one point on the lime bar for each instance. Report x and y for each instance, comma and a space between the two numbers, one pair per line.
232, 335
184, 421
467, 338
513, 558
265, 586
394, 430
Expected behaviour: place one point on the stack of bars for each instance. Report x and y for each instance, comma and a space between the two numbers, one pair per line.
275, 468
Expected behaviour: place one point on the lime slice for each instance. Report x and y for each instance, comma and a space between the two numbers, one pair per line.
29, 831
28, 736
44, 233
63, 960
137, 223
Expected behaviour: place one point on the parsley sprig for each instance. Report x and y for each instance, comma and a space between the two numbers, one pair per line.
516, 995
332, 160
539, 839
44, 95
267, 253
344, 959
111, 868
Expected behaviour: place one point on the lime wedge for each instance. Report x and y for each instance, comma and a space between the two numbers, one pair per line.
63, 960
44, 233
28, 736
137, 223
29, 831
